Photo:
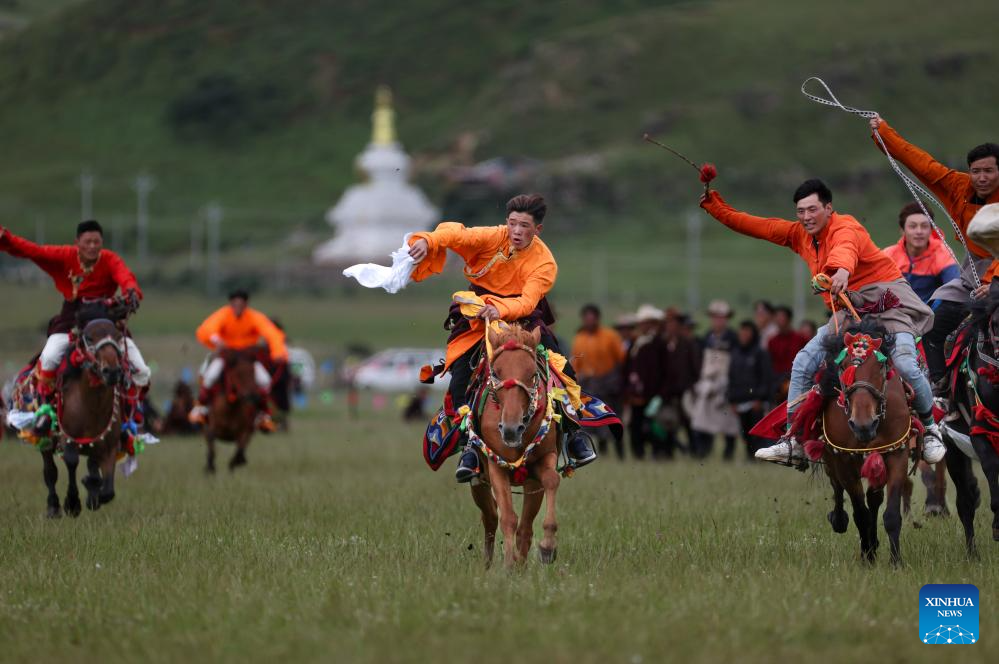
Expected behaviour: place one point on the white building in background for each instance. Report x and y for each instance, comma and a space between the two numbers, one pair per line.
371, 218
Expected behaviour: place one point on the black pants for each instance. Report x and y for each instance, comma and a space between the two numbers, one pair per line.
462, 368
946, 317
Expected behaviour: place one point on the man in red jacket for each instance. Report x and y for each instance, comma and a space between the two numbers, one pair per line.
81, 272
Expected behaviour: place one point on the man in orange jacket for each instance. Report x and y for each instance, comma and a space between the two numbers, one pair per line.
837, 245
512, 270
237, 326
963, 194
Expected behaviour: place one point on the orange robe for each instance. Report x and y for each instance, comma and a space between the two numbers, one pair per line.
519, 278
243, 331
952, 187
597, 353
843, 243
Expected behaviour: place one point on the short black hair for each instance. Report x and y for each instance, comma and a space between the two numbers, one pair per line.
910, 209
780, 308
532, 204
239, 293
982, 151
88, 226
813, 186
769, 308
590, 309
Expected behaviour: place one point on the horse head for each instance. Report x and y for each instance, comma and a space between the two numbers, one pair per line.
863, 379
102, 346
240, 383
514, 380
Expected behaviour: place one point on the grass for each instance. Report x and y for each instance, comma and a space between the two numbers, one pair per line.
337, 543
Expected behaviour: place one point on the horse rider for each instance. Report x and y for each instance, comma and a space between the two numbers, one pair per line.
962, 194
838, 246
237, 326
512, 270
81, 272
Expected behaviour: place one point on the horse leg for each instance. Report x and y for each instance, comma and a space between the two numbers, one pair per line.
93, 482
940, 486
861, 517
525, 529
239, 458
500, 481
906, 496
50, 473
968, 496
483, 497
550, 480
210, 442
898, 484
108, 463
838, 518
989, 458
71, 457
874, 499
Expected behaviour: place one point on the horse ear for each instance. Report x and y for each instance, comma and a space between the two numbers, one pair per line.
849, 338
536, 336
875, 345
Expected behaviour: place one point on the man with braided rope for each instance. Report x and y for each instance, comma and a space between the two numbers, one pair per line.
962, 194
838, 248
512, 270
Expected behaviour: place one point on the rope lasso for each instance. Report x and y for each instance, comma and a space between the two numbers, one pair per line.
914, 187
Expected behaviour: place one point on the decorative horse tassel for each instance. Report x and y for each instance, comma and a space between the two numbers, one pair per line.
807, 414
874, 470
519, 475
849, 375
814, 449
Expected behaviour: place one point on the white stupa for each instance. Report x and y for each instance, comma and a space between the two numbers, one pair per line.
371, 218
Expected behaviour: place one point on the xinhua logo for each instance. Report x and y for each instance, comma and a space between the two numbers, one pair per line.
948, 613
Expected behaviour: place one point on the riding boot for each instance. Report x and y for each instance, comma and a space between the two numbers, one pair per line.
199, 414
45, 388
264, 422
468, 465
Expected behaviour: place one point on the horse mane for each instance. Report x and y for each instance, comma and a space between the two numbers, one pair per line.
515, 333
834, 344
981, 311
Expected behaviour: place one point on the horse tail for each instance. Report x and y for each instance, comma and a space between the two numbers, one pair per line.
874, 470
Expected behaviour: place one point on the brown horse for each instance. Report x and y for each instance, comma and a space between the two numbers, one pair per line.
88, 419
233, 409
518, 442
867, 433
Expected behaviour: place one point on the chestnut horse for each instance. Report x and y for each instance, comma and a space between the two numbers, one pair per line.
88, 419
233, 409
866, 433
517, 442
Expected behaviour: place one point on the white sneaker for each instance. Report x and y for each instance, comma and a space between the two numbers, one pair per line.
933, 446
786, 450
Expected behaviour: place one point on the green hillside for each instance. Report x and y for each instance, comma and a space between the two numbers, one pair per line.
263, 106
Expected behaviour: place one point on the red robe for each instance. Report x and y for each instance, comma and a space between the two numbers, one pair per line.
62, 263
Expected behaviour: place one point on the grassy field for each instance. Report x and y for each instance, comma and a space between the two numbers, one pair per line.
337, 544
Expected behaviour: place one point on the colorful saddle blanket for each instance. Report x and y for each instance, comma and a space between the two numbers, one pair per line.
443, 433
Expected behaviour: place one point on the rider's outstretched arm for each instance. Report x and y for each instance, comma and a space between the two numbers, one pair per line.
466, 242
47, 257
944, 182
772, 229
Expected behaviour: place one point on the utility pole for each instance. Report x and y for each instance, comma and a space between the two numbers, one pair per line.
694, 225
213, 216
143, 185
800, 278
87, 180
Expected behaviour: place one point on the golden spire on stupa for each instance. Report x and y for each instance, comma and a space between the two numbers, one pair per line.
383, 119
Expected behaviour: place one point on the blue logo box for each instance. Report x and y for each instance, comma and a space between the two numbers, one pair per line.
948, 614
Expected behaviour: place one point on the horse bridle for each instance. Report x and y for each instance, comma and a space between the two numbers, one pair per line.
90, 350
880, 395
496, 384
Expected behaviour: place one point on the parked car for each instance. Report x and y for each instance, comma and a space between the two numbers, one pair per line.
397, 370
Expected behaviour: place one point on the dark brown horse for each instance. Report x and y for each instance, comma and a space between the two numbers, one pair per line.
976, 398
867, 431
233, 409
88, 419
518, 438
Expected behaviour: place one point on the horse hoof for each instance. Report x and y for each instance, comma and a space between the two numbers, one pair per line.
72, 507
839, 521
106, 498
547, 556
93, 503
53, 512
237, 462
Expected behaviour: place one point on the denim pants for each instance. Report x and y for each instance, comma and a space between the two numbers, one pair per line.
905, 358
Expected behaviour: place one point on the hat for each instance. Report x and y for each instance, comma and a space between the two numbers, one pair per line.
719, 308
649, 312
983, 228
